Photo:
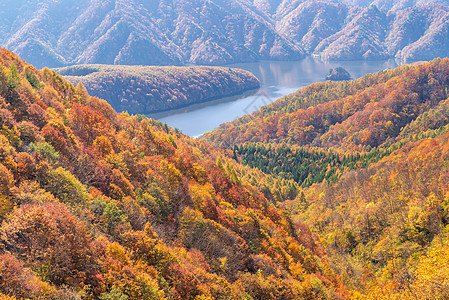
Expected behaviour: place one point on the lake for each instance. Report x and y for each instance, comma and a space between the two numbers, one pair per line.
277, 79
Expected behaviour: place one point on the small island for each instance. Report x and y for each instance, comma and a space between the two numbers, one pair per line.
338, 74
150, 89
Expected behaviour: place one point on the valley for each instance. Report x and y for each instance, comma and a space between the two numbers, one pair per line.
338, 201
278, 79
194, 150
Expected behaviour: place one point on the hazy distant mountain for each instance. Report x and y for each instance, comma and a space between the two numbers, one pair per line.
336, 31
310, 22
162, 32
362, 37
396, 4
166, 32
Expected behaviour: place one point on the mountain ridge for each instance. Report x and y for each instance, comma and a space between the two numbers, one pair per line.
221, 32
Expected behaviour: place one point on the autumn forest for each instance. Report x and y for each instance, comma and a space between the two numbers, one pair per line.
96, 204
339, 190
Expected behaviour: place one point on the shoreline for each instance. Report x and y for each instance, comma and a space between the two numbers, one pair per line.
207, 100
210, 101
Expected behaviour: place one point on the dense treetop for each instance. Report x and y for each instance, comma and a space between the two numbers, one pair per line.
144, 89
371, 156
100, 205
337, 191
355, 115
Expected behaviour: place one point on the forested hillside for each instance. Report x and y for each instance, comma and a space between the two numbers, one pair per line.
348, 197
371, 157
349, 115
143, 90
386, 227
56, 33
95, 204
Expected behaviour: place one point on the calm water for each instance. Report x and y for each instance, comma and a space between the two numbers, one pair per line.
277, 79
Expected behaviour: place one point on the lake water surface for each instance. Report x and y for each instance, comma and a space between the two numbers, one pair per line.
277, 78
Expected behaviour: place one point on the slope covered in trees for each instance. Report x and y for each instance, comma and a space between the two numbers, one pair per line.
350, 115
56, 33
99, 204
142, 90
95, 204
371, 156
386, 227
304, 165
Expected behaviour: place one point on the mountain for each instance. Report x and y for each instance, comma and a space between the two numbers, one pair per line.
350, 115
348, 197
95, 204
371, 158
396, 4
308, 23
373, 31
177, 32
143, 90
137, 32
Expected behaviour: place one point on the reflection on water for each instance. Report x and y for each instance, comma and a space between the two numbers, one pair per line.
277, 80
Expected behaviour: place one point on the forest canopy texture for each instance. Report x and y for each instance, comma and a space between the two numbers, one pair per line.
148, 89
100, 205
95, 204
